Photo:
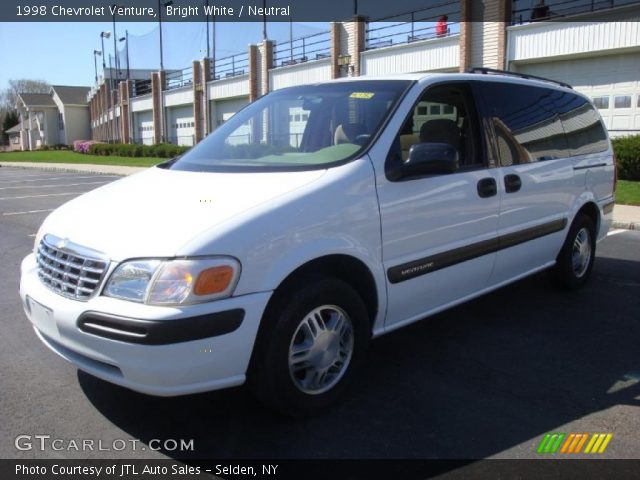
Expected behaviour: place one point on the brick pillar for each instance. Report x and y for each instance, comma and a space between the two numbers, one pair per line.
103, 110
465, 35
125, 95
205, 65
504, 20
156, 96
266, 64
115, 124
253, 72
335, 49
356, 43
198, 91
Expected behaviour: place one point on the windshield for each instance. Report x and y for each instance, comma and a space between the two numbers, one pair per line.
298, 128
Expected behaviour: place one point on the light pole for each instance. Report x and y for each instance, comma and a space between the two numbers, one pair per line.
264, 19
115, 36
206, 4
106, 35
164, 123
126, 46
96, 53
165, 4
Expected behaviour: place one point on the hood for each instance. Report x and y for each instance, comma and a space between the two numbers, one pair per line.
155, 212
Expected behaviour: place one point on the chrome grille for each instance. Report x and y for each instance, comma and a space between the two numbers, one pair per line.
68, 269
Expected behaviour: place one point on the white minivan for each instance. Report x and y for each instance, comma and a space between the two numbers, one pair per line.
314, 219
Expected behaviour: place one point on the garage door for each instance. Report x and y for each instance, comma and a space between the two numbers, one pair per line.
613, 82
223, 110
181, 125
143, 123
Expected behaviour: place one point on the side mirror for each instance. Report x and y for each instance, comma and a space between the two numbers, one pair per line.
430, 159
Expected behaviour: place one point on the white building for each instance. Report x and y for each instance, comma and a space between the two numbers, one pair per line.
58, 117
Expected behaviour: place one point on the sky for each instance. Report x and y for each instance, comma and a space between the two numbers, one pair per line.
62, 53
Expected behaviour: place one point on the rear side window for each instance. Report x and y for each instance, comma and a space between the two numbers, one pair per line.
526, 122
583, 127
534, 124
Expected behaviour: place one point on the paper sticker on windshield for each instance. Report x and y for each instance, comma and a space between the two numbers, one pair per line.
363, 95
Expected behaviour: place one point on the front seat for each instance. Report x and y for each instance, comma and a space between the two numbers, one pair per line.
348, 132
441, 130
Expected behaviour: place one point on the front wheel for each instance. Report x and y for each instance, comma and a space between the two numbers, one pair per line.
575, 261
313, 341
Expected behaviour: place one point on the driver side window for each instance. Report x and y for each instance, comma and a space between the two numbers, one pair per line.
444, 114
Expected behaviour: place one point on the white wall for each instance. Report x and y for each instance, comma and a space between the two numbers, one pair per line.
229, 87
428, 55
543, 40
300, 74
76, 123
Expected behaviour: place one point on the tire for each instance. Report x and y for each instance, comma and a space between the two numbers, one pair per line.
289, 358
575, 260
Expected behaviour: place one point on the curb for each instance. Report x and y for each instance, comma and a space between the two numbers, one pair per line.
625, 225
80, 168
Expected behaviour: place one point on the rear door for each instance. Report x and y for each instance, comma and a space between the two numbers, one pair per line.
536, 177
439, 230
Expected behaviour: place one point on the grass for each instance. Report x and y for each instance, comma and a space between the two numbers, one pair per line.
628, 192
66, 156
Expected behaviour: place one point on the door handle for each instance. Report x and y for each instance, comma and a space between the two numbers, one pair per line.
512, 183
487, 187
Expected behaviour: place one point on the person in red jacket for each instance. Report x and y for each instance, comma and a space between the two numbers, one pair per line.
441, 26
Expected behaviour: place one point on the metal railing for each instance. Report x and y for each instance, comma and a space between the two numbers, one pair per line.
303, 49
141, 87
230, 66
179, 78
525, 11
436, 21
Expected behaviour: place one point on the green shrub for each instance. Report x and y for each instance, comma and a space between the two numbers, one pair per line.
627, 150
161, 150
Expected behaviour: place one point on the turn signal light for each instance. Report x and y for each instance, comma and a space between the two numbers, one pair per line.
213, 280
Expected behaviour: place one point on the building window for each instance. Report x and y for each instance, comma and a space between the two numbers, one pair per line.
434, 110
622, 101
422, 110
601, 103
638, 102
15, 139
447, 109
60, 121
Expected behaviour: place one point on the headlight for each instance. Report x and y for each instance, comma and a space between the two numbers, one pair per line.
174, 282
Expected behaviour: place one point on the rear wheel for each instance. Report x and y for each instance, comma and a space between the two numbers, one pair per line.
311, 344
575, 261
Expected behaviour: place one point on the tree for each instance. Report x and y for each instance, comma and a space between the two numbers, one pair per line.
11, 119
9, 95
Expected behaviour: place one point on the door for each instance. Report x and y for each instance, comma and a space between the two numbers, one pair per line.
536, 177
438, 230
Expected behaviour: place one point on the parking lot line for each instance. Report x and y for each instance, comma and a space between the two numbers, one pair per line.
6, 214
615, 232
58, 178
54, 186
46, 195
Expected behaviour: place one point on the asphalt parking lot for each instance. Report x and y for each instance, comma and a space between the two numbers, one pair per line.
486, 379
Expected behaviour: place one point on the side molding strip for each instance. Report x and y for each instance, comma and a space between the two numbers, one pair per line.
422, 266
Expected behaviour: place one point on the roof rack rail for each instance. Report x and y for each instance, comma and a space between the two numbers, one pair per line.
493, 71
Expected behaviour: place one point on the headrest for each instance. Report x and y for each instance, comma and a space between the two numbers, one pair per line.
440, 131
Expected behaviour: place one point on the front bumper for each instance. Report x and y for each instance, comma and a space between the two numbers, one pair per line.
157, 357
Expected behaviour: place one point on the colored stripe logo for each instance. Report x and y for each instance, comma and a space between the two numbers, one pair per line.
572, 443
